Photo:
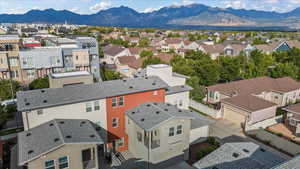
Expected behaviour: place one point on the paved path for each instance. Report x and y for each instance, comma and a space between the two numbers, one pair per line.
226, 131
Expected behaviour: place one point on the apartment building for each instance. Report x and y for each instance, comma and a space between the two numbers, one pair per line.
104, 103
159, 132
40, 62
57, 144
178, 91
9, 57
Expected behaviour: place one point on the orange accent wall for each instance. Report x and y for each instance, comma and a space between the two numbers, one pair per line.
130, 101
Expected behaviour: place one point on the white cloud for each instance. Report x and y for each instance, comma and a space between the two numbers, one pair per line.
75, 9
101, 6
183, 3
237, 4
147, 10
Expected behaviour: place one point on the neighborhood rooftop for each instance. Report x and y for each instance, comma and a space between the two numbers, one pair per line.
295, 108
28, 100
70, 74
249, 102
240, 155
256, 86
152, 114
40, 140
294, 163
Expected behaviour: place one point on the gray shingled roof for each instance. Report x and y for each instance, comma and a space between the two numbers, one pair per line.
152, 114
291, 164
178, 89
241, 155
51, 135
35, 99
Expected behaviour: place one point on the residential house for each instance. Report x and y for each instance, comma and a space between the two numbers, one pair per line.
178, 91
243, 155
112, 52
255, 95
235, 49
104, 103
292, 120
59, 80
189, 45
169, 44
160, 132
281, 45
214, 50
135, 52
128, 65
9, 57
247, 109
40, 62
60, 143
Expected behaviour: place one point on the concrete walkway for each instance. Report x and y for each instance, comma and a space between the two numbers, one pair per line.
227, 132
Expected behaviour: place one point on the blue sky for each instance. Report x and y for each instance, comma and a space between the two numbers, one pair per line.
93, 6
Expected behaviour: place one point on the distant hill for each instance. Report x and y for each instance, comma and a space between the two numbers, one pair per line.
190, 15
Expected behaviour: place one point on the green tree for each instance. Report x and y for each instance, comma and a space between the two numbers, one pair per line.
229, 69
152, 61
7, 113
285, 69
196, 55
198, 92
111, 75
207, 71
39, 83
146, 53
8, 89
143, 42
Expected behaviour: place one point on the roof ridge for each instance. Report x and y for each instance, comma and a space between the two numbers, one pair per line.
59, 131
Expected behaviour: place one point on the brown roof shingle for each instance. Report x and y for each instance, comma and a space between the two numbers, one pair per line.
249, 102
256, 86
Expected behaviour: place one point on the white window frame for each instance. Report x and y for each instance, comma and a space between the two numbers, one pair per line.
179, 128
96, 105
155, 93
118, 141
40, 112
114, 102
68, 162
88, 107
53, 166
171, 131
119, 101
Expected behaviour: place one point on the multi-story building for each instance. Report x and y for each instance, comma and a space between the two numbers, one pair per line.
159, 133
62, 55
59, 143
103, 103
9, 57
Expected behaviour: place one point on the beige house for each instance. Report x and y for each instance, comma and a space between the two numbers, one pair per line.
159, 132
282, 91
58, 80
247, 109
9, 57
81, 57
253, 100
55, 144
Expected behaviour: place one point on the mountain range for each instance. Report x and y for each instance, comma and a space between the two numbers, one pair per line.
175, 16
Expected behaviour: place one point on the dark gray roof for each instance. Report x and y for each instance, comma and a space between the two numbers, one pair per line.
291, 164
178, 89
51, 135
35, 99
240, 155
152, 114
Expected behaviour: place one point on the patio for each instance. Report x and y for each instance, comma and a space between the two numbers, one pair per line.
282, 129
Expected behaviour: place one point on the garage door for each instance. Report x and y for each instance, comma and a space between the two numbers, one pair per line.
233, 115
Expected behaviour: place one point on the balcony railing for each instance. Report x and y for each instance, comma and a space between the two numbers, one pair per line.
89, 164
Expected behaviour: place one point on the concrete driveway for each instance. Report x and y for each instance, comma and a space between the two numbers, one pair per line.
227, 132
223, 129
